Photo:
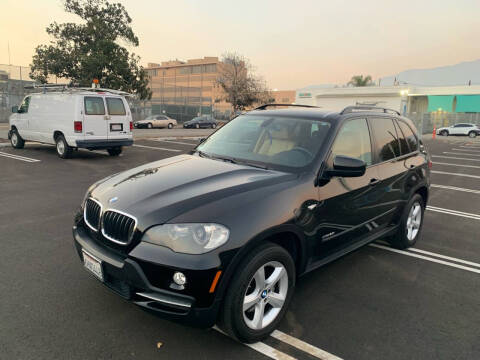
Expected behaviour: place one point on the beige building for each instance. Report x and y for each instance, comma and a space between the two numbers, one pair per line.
185, 89
284, 96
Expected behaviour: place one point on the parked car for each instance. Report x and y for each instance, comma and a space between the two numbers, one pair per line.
205, 121
221, 235
156, 121
71, 120
470, 130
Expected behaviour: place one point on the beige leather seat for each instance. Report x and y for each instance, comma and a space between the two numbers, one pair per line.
278, 142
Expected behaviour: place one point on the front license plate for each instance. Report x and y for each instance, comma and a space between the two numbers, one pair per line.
93, 265
116, 127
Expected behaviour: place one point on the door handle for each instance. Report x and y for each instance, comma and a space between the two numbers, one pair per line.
374, 182
106, 117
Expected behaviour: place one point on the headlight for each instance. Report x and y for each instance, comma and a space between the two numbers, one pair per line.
188, 238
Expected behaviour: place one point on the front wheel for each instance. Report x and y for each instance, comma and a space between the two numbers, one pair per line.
214, 126
64, 151
258, 296
115, 151
410, 225
170, 126
149, 125
197, 126
16, 140
444, 133
472, 134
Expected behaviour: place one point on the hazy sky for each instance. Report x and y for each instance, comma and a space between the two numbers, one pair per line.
291, 43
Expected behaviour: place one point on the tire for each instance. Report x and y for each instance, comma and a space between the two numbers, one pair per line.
115, 151
241, 325
409, 233
16, 140
214, 126
149, 126
197, 126
64, 151
444, 133
170, 126
472, 134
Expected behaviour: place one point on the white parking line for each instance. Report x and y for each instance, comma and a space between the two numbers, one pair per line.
471, 263
302, 345
475, 151
460, 165
455, 174
455, 158
446, 187
264, 349
453, 212
470, 146
177, 142
156, 148
18, 157
438, 261
457, 153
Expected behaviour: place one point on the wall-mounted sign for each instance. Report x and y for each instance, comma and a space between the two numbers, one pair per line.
305, 95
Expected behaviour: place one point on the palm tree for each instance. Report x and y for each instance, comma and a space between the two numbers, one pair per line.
359, 80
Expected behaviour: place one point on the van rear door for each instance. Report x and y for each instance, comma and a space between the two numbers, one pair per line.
94, 120
118, 118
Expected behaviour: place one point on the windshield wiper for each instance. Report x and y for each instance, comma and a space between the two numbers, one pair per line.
231, 160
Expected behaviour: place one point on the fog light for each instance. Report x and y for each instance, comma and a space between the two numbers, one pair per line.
179, 278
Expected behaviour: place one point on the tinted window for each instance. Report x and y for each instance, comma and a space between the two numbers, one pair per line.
24, 107
404, 149
386, 143
94, 105
409, 136
354, 140
115, 106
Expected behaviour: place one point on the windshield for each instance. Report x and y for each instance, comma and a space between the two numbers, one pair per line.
267, 140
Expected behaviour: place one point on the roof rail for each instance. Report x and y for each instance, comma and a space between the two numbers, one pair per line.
66, 87
353, 108
264, 106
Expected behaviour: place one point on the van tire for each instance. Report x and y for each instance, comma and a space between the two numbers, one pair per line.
115, 151
64, 151
16, 140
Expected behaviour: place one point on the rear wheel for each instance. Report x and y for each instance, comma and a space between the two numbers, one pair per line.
258, 296
214, 126
197, 126
472, 134
170, 126
410, 225
64, 151
444, 133
16, 140
149, 125
115, 151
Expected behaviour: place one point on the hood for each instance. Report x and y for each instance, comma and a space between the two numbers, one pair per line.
162, 190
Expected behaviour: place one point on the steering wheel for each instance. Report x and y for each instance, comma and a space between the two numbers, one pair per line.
304, 151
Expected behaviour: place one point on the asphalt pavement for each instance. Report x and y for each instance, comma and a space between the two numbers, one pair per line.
375, 303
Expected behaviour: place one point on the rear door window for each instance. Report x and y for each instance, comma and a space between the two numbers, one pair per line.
404, 149
353, 140
387, 146
94, 105
410, 137
115, 106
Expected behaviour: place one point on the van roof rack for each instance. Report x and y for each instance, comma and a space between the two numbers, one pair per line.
66, 87
354, 108
265, 106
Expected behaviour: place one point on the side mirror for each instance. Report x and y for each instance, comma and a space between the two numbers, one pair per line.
14, 109
345, 166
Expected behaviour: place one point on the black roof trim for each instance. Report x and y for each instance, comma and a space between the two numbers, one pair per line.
358, 108
265, 106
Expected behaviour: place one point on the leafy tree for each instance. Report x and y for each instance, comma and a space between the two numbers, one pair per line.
241, 86
91, 50
359, 80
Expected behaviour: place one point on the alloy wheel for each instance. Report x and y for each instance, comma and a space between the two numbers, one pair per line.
14, 139
60, 147
265, 295
414, 221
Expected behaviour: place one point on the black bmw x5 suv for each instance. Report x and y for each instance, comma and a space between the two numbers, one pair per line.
221, 235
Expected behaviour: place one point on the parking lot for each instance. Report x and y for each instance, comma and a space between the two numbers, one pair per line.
375, 303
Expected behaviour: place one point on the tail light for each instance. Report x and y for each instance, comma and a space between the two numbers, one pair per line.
77, 126
430, 164
131, 125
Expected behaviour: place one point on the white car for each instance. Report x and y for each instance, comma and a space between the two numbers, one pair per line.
73, 119
470, 130
156, 121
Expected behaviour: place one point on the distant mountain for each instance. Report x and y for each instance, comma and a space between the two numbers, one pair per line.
458, 74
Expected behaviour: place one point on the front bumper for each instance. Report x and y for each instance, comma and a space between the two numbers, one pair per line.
131, 278
103, 144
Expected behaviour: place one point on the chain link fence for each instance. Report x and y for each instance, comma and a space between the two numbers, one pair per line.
426, 122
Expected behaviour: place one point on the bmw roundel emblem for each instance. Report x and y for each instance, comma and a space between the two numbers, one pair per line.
112, 200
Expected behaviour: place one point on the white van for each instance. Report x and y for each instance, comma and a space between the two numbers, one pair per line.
73, 119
